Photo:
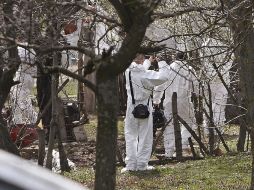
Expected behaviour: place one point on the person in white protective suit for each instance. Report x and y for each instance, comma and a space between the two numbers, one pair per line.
182, 80
139, 132
21, 103
213, 52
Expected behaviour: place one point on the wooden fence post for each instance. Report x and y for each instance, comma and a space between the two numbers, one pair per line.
177, 128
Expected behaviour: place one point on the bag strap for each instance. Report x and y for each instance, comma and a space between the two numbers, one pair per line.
148, 101
131, 87
132, 94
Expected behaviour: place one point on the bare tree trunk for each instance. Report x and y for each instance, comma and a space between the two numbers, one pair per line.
200, 119
6, 76
107, 90
192, 148
81, 92
81, 97
5, 140
242, 131
90, 99
122, 94
198, 109
86, 96
242, 138
252, 152
211, 122
107, 101
177, 128
61, 122
41, 132
246, 79
240, 21
64, 165
43, 85
41, 149
53, 123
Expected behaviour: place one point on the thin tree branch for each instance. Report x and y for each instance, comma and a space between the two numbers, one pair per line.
183, 11
72, 75
45, 50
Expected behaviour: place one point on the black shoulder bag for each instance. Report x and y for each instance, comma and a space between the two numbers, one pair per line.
140, 111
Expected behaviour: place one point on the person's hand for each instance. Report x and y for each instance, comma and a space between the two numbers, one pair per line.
151, 58
156, 106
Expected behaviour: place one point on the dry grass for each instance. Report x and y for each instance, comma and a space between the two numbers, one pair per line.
226, 172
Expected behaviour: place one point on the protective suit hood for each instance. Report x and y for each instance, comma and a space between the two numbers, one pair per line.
162, 64
134, 67
140, 67
143, 80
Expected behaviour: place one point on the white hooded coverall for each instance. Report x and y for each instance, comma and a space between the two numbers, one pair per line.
139, 132
21, 103
182, 80
213, 52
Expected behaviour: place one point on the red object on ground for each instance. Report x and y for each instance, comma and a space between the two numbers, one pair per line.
70, 27
27, 133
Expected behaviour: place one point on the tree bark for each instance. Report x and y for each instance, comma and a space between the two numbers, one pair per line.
193, 134
60, 131
44, 93
41, 132
211, 121
41, 149
135, 21
7, 75
177, 128
107, 102
192, 148
53, 123
86, 41
241, 139
243, 129
240, 21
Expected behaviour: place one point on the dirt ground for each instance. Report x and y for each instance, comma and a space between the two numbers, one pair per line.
82, 154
